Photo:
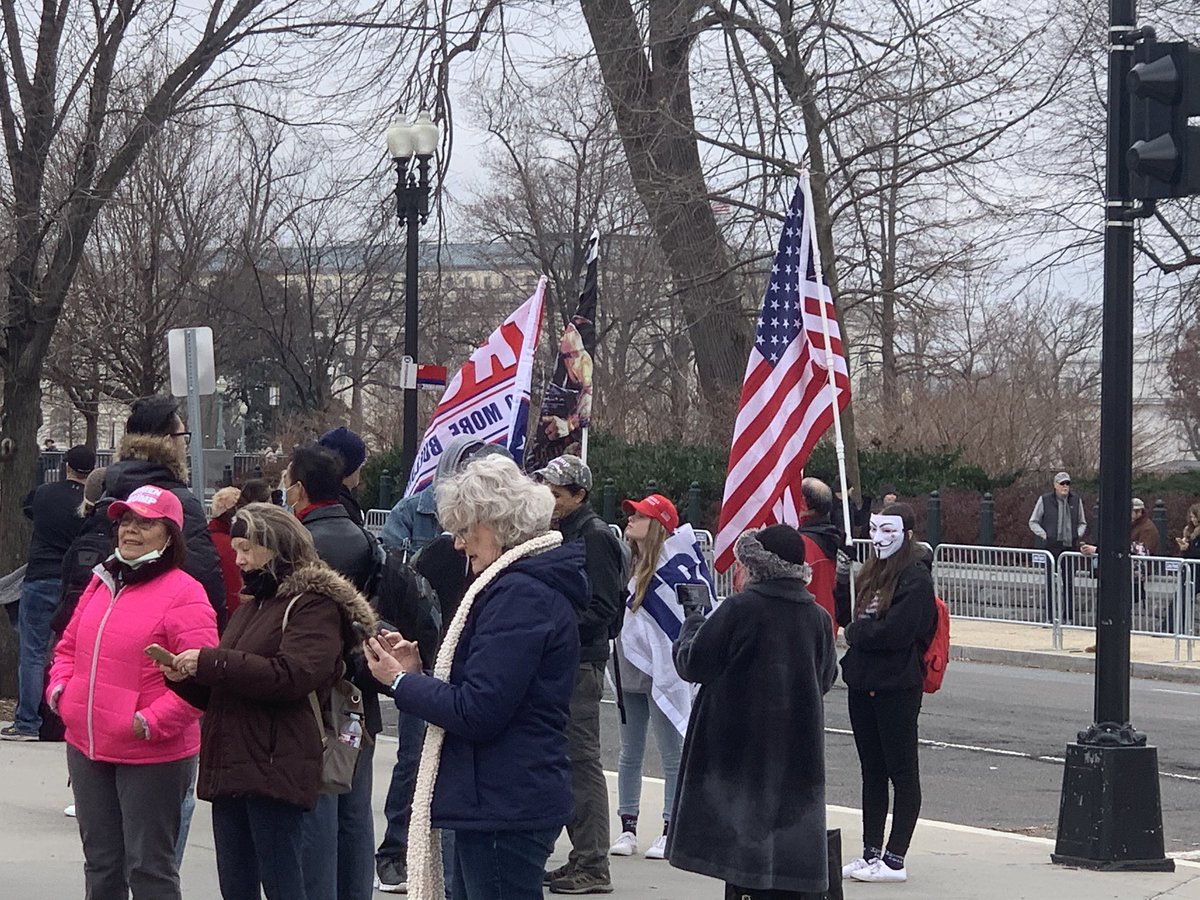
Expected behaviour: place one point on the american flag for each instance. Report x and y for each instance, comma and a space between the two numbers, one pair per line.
786, 400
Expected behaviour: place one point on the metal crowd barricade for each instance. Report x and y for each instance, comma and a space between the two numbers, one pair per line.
374, 521
997, 583
1163, 593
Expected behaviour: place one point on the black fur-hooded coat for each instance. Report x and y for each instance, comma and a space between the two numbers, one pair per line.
750, 807
152, 459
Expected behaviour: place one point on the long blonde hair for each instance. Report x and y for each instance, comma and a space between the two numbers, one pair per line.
645, 560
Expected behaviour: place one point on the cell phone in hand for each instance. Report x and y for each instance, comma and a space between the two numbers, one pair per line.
693, 596
160, 654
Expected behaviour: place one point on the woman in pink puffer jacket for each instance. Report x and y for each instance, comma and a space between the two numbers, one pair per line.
132, 744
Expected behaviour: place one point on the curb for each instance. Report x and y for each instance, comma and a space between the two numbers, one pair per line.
1075, 662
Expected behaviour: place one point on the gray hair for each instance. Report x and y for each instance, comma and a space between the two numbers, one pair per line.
817, 496
492, 491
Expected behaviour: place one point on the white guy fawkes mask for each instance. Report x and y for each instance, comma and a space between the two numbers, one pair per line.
887, 534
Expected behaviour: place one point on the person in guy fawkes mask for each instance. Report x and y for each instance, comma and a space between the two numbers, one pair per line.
887, 630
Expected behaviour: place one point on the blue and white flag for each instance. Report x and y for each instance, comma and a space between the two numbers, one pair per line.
649, 631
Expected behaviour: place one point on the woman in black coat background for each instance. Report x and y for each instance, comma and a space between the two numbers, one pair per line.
750, 808
887, 630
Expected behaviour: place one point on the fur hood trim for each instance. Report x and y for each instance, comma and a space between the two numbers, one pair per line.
328, 583
154, 448
763, 565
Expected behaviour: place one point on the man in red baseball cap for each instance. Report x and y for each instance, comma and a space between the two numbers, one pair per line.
656, 506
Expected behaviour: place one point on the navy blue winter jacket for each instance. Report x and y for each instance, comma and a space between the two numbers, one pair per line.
505, 709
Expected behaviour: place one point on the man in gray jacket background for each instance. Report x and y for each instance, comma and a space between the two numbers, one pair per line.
1058, 519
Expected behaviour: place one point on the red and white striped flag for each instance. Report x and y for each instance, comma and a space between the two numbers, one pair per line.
787, 401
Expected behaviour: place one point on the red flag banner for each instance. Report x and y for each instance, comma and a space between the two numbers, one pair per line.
786, 402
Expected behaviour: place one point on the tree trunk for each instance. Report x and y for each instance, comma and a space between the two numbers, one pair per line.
652, 106
18, 474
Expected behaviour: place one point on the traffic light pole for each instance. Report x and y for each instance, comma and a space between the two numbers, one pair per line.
1110, 816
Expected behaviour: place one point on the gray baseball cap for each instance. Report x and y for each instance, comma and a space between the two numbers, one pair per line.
566, 471
1062, 478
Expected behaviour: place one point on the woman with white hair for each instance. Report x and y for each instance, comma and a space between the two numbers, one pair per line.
499, 699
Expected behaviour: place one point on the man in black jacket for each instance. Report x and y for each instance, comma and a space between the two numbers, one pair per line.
353, 452
570, 480
154, 451
54, 510
341, 823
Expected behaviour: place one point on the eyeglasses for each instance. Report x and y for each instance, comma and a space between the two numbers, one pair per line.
186, 435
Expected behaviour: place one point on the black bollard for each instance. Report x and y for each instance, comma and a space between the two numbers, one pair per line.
385, 489
693, 505
933, 525
608, 501
987, 521
1159, 517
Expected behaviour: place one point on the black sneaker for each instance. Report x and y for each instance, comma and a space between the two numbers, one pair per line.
578, 882
12, 733
554, 874
391, 876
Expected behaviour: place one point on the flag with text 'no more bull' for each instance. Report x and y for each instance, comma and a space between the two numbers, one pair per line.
488, 398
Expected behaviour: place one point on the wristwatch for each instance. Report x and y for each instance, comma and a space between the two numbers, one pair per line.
396, 681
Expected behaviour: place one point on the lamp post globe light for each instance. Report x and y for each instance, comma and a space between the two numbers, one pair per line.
405, 140
222, 387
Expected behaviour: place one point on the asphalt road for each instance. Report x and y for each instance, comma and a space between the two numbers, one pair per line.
1031, 712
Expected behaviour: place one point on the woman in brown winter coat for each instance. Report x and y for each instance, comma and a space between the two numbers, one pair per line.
260, 752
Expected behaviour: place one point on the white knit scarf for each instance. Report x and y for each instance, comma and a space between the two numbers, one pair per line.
425, 880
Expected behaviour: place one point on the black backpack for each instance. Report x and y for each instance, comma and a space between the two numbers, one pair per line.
406, 600
599, 526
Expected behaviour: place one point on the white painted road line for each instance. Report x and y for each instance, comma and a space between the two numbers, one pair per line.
996, 751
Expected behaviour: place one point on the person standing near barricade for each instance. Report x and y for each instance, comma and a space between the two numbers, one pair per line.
751, 806
54, 510
822, 540
1058, 519
570, 480
888, 628
652, 689
353, 452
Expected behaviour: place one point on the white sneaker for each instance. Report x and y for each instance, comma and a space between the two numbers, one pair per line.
658, 850
855, 865
879, 871
625, 845
70, 811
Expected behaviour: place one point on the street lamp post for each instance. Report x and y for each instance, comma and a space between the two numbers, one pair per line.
222, 387
242, 410
405, 140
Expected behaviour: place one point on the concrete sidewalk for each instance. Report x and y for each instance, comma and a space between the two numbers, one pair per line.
40, 856
1015, 644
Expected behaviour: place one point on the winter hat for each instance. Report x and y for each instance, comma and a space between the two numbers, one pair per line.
784, 541
224, 500
351, 447
82, 459
776, 551
149, 502
93, 488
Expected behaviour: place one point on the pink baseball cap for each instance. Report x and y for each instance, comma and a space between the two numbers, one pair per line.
656, 506
149, 502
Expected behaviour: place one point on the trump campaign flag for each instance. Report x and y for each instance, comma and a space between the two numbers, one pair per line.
488, 398
567, 401
647, 634
796, 383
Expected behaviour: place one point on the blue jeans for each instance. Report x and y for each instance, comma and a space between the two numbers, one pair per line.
185, 820
398, 805
258, 844
38, 601
339, 839
501, 865
640, 710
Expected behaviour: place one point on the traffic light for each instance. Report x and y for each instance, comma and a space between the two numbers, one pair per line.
1164, 160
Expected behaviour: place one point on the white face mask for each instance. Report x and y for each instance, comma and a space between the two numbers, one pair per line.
141, 560
887, 534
